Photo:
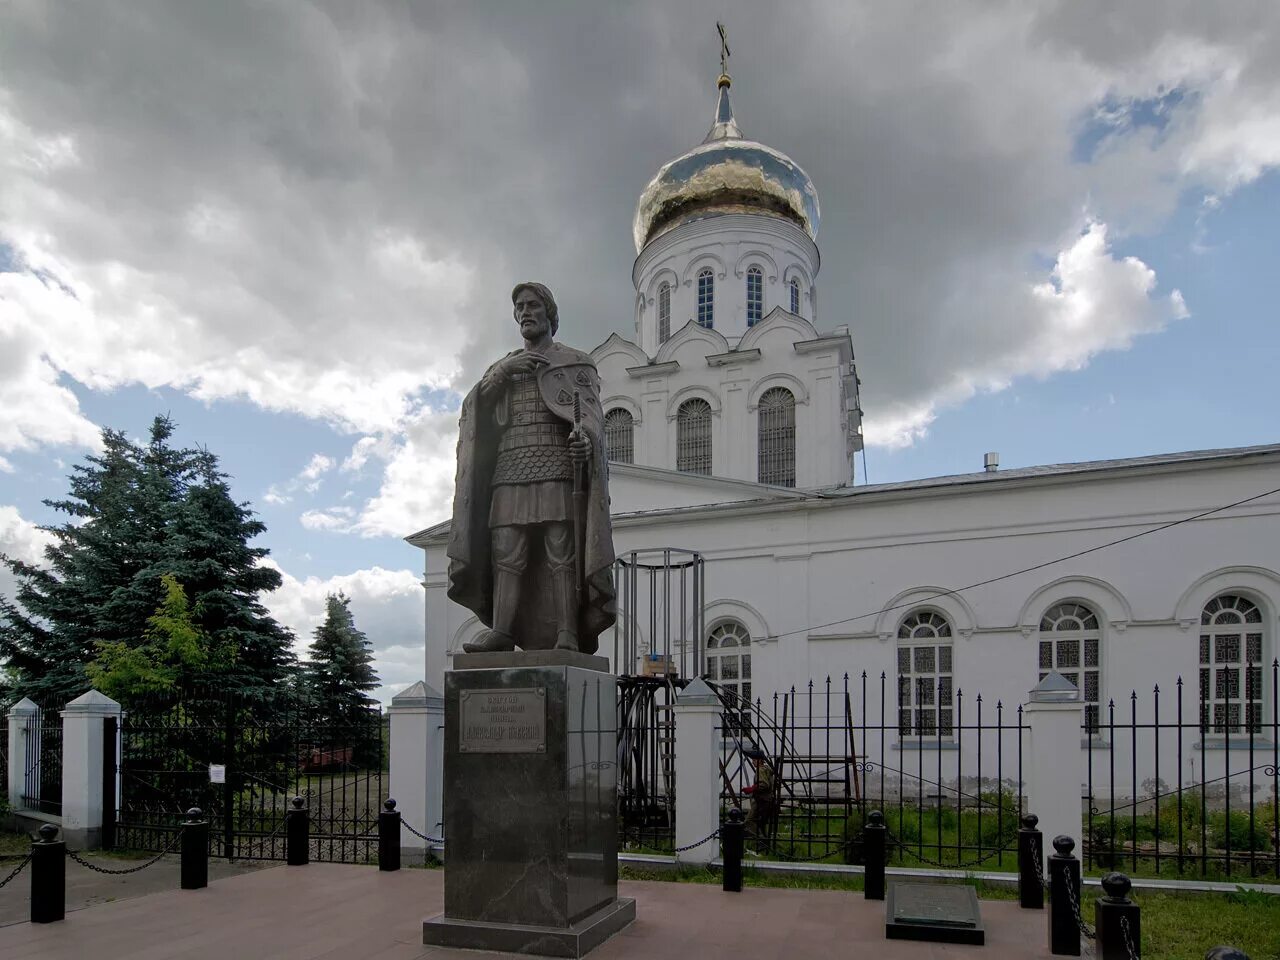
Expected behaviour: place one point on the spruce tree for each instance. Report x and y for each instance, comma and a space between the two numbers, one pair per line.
137, 513
340, 669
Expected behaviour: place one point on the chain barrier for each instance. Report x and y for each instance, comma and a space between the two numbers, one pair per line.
16, 870
1128, 941
772, 849
1086, 931
405, 823
1039, 864
74, 855
962, 865
689, 846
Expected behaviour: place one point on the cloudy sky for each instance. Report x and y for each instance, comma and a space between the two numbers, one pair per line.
293, 226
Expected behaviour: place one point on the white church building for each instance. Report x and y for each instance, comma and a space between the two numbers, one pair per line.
733, 417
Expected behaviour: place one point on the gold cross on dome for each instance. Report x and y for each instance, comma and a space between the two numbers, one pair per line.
724, 49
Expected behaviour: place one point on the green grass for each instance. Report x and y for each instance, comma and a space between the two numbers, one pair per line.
1175, 926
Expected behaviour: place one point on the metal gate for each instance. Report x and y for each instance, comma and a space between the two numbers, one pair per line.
241, 761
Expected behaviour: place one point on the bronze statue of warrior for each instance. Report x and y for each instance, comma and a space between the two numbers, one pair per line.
530, 558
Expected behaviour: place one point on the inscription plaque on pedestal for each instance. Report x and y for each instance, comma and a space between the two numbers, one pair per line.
943, 913
510, 720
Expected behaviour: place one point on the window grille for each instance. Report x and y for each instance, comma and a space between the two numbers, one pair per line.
706, 299
925, 696
729, 664
619, 435
1070, 643
755, 296
693, 437
776, 459
1230, 648
795, 296
664, 312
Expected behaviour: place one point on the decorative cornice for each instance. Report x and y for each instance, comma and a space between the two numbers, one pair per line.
653, 369
733, 356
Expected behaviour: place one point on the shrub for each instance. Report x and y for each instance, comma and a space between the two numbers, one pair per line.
1237, 830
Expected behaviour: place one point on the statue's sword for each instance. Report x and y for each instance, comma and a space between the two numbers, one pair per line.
579, 507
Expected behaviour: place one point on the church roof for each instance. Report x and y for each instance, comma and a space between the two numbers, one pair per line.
1083, 471
1058, 469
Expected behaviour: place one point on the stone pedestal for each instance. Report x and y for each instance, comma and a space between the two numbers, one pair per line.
530, 806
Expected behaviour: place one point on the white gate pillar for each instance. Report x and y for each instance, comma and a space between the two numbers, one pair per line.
1055, 715
19, 714
417, 763
82, 768
697, 717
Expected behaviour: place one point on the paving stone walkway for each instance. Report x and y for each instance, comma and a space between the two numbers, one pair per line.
86, 888
336, 911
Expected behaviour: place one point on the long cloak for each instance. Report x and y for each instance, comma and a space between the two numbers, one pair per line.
470, 548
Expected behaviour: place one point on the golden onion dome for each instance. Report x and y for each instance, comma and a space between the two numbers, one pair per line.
726, 173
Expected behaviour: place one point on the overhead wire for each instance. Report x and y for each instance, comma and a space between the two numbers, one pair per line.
1016, 573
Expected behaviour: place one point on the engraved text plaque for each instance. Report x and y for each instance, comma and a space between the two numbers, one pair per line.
510, 720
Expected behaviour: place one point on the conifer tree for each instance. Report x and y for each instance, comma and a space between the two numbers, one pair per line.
340, 669
136, 513
176, 656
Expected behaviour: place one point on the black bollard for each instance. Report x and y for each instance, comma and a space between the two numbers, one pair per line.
48, 877
1115, 918
195, 851
1064, 899
874, 835
733, 836
389, 837
297, 835
1225, 952
1030, 854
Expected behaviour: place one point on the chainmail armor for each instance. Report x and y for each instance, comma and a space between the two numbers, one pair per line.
534, 446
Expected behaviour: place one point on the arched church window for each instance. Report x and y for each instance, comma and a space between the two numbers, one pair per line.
706, 299
664, 312
729, 663
755, 296
795, 295
925, 701
693, 437
619, 435
1230, 648
1070, 643
776, 459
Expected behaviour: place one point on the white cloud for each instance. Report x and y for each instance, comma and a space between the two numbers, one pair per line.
386, 604
417, 481
20, 539
335, 519
1091, 302
308, 479
316, 467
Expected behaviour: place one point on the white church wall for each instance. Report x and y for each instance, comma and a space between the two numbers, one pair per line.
728, 244
698, 363
796, 571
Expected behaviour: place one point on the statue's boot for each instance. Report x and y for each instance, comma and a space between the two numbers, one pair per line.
506, 596
565, 598
491, 641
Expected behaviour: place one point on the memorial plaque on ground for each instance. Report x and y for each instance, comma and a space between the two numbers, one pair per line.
513, 720
945, 913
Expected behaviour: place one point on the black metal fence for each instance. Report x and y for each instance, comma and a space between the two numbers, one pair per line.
809, 765
4, 758
646, 762
42, 777
1187, 781
241, 761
